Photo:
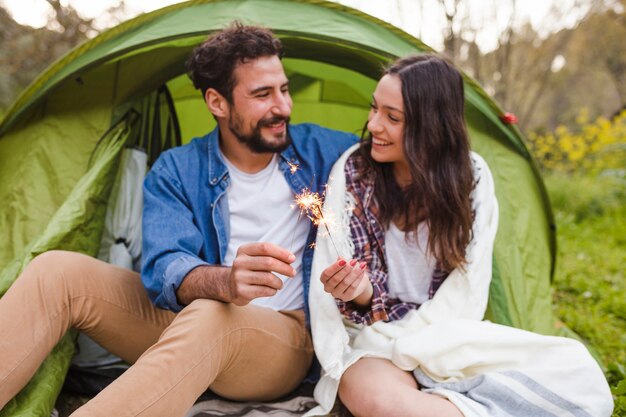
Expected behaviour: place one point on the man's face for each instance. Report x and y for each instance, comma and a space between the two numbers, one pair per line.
259, 114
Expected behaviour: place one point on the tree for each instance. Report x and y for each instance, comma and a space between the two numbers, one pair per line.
609, 31
594, 76
519, 71
27, 51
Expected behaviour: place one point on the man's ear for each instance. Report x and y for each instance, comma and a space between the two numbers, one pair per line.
216, 103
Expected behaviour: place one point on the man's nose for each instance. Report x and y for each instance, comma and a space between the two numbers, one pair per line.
282, 105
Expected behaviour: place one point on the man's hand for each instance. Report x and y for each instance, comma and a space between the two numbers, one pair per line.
348, 281
251, 275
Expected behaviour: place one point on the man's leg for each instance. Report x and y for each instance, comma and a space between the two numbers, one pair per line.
59, 290
242, 353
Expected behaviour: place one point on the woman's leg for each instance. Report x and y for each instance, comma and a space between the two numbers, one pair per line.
59, 290
376, 387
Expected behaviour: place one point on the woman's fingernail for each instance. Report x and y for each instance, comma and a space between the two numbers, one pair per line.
363, 265
342, 262
353, 262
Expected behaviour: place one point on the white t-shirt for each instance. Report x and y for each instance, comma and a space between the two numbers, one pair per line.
409, 265
260, 207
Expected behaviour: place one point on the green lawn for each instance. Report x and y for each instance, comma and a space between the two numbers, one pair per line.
590, 282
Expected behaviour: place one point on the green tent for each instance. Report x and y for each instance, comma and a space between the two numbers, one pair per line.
60, 143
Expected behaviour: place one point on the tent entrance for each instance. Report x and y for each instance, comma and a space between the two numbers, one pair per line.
323, 92
154, 129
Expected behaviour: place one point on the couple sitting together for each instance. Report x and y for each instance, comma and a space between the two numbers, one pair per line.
230, 283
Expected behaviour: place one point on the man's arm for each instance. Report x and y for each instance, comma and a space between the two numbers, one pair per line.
205, 282
250, 277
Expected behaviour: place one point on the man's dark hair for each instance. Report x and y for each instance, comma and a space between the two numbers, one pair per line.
212, 63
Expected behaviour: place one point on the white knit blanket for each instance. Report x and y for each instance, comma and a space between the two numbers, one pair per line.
485, 369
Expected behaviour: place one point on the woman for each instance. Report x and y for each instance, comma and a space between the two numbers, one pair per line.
422, 216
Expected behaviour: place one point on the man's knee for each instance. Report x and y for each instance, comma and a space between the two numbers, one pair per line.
208, 316
203, 307
53, 268
63, 276
51, 258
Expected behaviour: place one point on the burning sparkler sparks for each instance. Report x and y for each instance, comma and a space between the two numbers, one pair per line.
293, 167
310, 203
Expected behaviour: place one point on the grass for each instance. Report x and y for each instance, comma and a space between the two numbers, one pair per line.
590, 282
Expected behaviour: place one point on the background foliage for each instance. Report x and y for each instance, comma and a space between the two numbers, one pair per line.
590, 288
595, 147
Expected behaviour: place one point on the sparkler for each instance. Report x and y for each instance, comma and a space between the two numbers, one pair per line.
292, 167
310, 203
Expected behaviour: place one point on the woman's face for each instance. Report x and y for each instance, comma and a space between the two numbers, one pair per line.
386, 121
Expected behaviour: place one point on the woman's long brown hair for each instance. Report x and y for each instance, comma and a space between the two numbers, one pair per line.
437, 150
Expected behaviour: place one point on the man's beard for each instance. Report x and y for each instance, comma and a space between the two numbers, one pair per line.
255, 141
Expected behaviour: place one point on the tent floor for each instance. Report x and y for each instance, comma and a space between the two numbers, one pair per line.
68, 402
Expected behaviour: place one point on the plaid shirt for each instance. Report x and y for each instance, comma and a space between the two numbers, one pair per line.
368, 235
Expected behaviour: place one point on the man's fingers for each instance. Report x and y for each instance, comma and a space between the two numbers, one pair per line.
256, 291
250, 285
257, 278
251, 292
267, 249
263, 264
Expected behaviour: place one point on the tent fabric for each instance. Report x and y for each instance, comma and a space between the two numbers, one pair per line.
70, 125
121, 240
76, 226
121, 237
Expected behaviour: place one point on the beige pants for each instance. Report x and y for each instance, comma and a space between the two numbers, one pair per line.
242, 353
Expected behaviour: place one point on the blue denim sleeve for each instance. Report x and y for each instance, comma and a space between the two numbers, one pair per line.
171, 240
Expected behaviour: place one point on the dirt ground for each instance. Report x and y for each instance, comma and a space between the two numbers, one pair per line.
67, 403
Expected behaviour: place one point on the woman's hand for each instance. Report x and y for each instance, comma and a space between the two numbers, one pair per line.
348, 281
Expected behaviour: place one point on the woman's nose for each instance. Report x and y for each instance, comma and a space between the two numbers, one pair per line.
372, 124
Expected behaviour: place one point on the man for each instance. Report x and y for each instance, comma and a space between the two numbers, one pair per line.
226, 260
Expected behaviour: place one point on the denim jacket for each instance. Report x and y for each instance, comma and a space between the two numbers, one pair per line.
186, 217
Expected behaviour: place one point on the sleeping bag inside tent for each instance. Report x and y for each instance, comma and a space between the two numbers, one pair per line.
62, 141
